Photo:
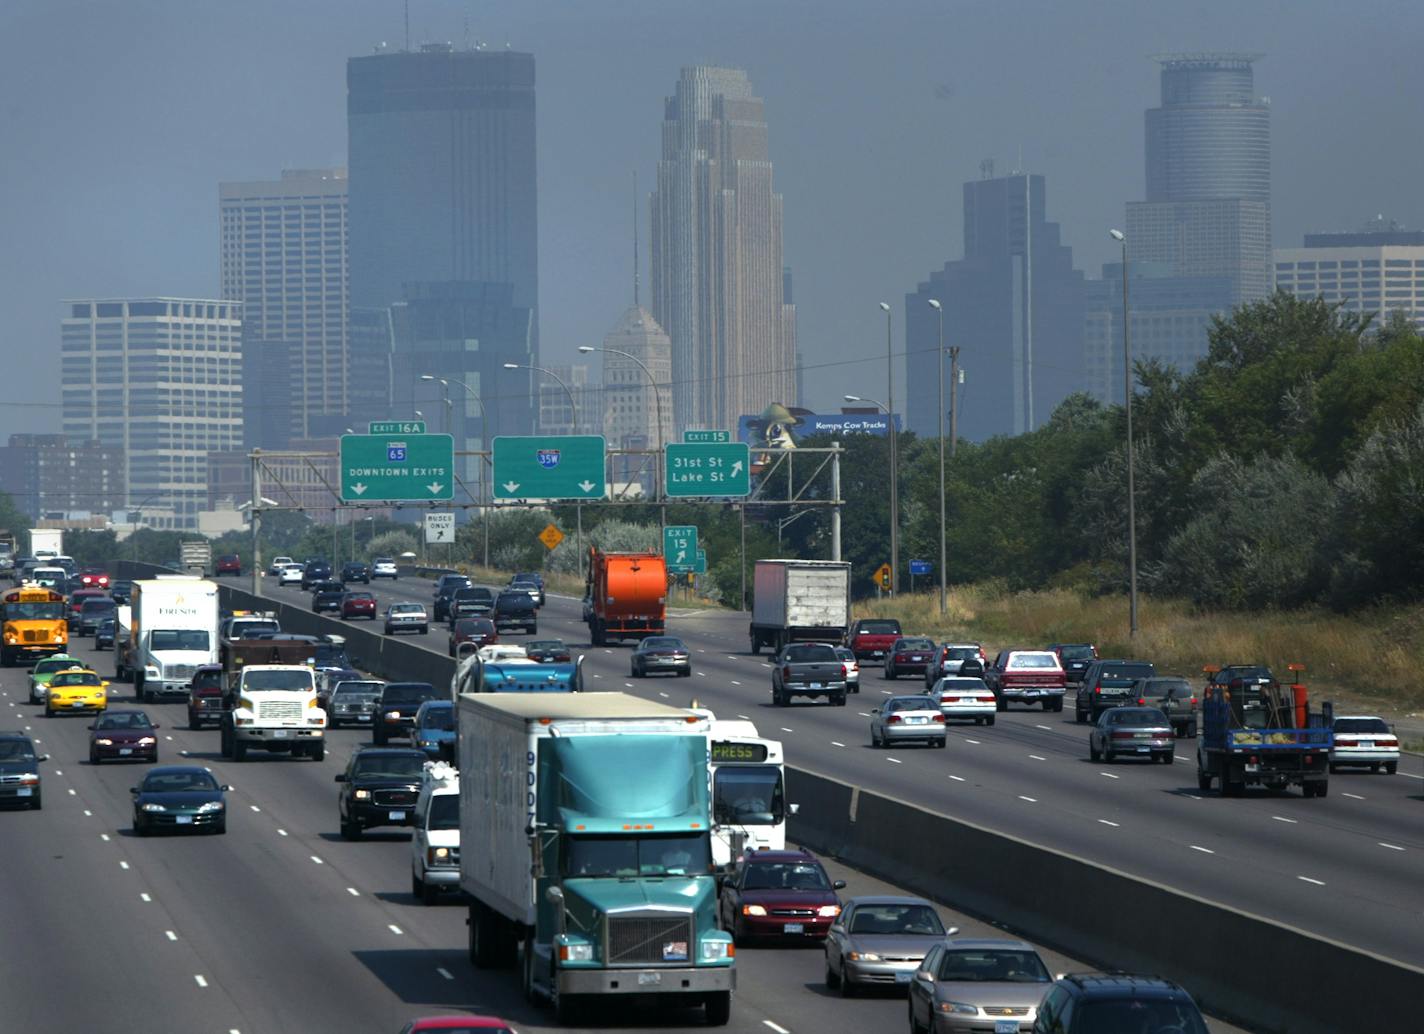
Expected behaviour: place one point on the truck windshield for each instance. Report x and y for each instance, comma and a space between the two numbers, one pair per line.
637, 856
444, 812
748, 795
1076, 653
810, 655
178, 639
408, 693
330, 655
280, 678
251, 629
33, 611
352, 691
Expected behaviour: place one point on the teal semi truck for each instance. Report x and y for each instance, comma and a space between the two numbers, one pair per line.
585, 827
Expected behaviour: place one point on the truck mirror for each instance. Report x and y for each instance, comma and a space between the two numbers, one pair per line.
795, 809
838, 885
554, 895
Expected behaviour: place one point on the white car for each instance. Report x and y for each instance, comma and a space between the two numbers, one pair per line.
499, 653
275, 568
407, 617
291, 574
1364, 740
435, 839
907, 719
965, 698
384, 567
852, 667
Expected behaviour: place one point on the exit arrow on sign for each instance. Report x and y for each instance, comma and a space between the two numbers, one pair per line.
510, 486
359, 489
587, 486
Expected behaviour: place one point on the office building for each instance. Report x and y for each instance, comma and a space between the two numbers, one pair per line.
443, 173
637, 404
161, 380
555, 413
282, 251
1373, 270
48, 475
1013, 304
718, 286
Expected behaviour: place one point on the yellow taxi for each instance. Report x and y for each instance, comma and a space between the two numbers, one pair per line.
77, 689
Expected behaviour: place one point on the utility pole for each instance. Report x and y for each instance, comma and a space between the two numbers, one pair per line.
257, 522
836, 500
953, 398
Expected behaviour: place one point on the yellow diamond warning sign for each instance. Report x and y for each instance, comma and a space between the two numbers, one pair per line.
551, 536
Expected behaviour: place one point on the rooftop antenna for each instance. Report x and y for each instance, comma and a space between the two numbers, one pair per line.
635, 238
1019, 171
986, 169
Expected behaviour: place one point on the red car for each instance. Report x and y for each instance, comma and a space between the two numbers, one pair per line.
780, 894
870, 638
909, 656
457, 1024
228, 563
479, 631
358, 605
123, 735
94, 578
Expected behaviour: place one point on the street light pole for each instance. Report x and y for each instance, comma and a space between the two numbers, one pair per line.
894, 451
657, 402
943, 549
573, 412
1121, 238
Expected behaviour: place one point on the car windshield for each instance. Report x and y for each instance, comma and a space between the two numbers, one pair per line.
845, 653
915, 644
1124, 674
1076, 653
661, 642
438, 718
177, 782
1033, 660
896, 919
879, 627
747, 795
408, 693
1361, 725
961, 653
1020, 966
526, 586
963, 685
390, 766
471, 626
910, 704
1129, 1016
54, 664
444, 812
544, 645
16, 750
74, 678
178, 639
98, 607
281, 678
1137, 716
364, 596
1165, 686
637, 856
407, 608
331, 655
208, 680
120, 720
809, 654
785, 876
356, 691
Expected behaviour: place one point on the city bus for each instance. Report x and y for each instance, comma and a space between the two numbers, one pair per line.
749, 806
33, 624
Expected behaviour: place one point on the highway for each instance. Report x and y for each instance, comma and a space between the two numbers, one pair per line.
1346, 867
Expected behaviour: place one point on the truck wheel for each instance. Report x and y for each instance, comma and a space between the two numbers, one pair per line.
138, 688
484, 936
7, 659
318, 751
839, 700
225, 741
1203, 779
719, 1008
1334, 768
1322, 787
568, 1009
1192, 730
239, 749
1000, 704
756, 645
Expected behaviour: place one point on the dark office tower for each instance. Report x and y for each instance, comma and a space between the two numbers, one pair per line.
717, 257
442, 173
1013, 305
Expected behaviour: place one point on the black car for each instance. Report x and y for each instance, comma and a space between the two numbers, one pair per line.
548, 651
121, 591
356, 572
395, 714
19, 770
1081, 1003
516, 610
379, 788
1109, 684
92, 612
444, 589
472, 602
315, 572
104, 634
326, 596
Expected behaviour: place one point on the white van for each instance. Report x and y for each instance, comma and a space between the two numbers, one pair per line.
435, 842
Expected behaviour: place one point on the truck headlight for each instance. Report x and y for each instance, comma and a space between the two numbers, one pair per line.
363, 795
716, 951
151, 672
575, 953
211, 806
829, 910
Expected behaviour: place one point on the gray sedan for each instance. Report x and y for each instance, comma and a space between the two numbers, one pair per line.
1131, 732
880, 941
661, 653
978, 985
916, 719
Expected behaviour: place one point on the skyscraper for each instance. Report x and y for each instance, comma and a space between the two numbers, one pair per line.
718, 288
1014, 306
161, 379
282, 253
49, 474
632, 404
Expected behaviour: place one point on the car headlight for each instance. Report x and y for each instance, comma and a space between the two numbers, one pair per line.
104, 741
392, 715
753, 910
147, 741
363, 795
154, 807
211, 806
439, 853
862, 956
575, 953
715, 951
30, 779
829, 910
959, 1008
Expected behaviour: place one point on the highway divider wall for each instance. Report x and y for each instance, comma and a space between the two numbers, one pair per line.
1249, 969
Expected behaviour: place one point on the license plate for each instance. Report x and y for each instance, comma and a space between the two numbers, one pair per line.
878, 653
902, 978
815, 685
183, 820
1253, 768
397, 816
649, 979
1366, 743
916, 657
1143, 750
363, 718
125, 750
24, 791
279, 734
914, 721
795, 927
1006, 1026
1033, 692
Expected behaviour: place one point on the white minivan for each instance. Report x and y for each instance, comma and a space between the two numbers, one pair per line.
435, 842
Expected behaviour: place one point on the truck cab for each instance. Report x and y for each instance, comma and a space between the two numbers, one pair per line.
270, 700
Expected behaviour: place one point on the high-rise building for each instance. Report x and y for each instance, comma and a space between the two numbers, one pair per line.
633, 403
718, 288
282, 251
1373, 270
48, 475
555, 414
160, 379
1013, 305
443, 174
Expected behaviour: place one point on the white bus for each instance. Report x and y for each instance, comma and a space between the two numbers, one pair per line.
749, 806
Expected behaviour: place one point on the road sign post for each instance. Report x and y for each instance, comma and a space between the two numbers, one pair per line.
408, 468
680, 548
553, 466
717, 469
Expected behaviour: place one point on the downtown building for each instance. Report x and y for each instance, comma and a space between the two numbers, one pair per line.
444, 235
1373, 270
718, 284
637, 403
159, 379
1013, 304
50, 477
283, 255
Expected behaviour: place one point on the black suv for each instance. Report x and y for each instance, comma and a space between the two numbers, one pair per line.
1109, 684
356, 572
379, 788
326, 596
313, 572
1082, 1003
471, 602
444, 589
19, 770
395, 714
516, 610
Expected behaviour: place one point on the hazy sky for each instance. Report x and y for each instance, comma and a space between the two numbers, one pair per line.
118, 119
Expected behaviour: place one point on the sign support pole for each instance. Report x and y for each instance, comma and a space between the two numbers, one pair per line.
257, 522
836, 500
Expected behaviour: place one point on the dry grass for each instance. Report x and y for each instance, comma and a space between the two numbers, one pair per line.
1384, 647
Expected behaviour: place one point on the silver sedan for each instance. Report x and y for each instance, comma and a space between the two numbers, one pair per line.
911, 719
1132, 732
880, 941
973, 985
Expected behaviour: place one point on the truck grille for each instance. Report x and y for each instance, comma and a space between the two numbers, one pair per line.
644, 940
179, 671
32, 636
279, 712
393, 798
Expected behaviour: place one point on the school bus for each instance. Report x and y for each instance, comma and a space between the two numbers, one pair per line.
33, 624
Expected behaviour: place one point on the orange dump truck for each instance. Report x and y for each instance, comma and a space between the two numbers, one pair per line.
626, 597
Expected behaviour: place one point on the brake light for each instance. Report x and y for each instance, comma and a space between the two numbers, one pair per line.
1141, 701
844, 673
894, 719
1097, 689
786, 671
1194, 701
987, 700
1386, 741
939, 718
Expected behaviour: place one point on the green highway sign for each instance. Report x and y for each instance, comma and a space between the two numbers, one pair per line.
680, 548
710, 469
701, 437
396, 427
700, 564
409, 468
549, 466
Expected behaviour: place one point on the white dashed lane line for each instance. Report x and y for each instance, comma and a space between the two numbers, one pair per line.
835, 744
170, 935
281, 832
315, 859
1109, 822
1282, 818
735, 682
957, 779
1307, 879
968, 740
445, 973
353, 892
145, 898
1352, 796
894, 761
1203, 850
1031, 800
745, 717
785, 729
200, 980
393, 928
1037, 758
123, 865
1110, 775
1392, 847
776, 1027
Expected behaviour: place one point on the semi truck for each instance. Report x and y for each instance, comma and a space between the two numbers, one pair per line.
626, 596
173, 631
195, 557
474, 674
585, 829
1256, 732
799, 601
46, 543
269, 700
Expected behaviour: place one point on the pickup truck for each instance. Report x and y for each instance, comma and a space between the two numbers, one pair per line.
1174, 697
808, 670
1026, 677
1109, 684
872, 638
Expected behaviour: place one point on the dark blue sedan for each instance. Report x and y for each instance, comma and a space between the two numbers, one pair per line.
179, 797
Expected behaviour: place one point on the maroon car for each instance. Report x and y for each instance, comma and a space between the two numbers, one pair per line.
478, 631
780, 894
94, 578
358, 605
228, 563
909, 656
123, 734
205, 692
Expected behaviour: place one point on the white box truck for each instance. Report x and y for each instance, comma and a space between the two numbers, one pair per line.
799, 600
585, 835
173, 630
46, 543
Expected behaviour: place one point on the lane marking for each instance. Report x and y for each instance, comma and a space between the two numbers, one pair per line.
1043, 727
104, 837
662, 694
1110, 775
1307, 879
1180, 758
444, 972
1031, 800
703, 674
254, 807
316, 859
88, 814
353, 892
597, 676
1392, 847
168, 738
170, 935
1282, 818
835, 744
785, 729
895, 761
123, 865
863, 714
1203, 850
1353, 795
735, 682
957, 779
281, 832
394, 929
145, 898
968, 740
776, 1027
1037, 758
1192, 796
72, 792
628, 684
745, 717
886, 692
1105, 822
198, 977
